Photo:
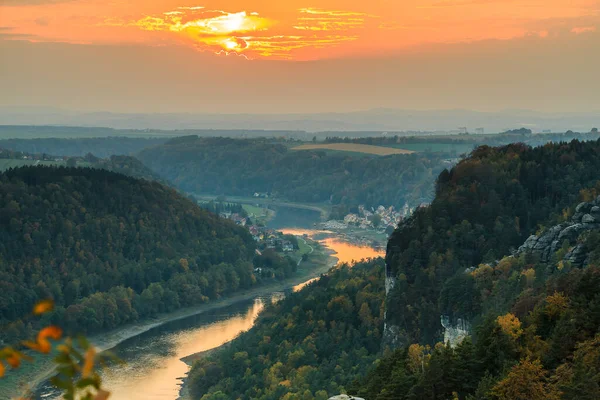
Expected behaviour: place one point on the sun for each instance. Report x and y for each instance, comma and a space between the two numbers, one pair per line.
231, 44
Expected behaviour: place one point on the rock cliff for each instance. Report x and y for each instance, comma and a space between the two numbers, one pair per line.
545, 245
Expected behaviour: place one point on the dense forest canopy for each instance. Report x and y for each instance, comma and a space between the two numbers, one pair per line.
224, 166
484, 207
310, 345
109, 249
535, 334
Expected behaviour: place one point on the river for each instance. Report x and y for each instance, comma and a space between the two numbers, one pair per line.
153, 369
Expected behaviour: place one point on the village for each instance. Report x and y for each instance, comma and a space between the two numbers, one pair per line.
380, 219
266, 238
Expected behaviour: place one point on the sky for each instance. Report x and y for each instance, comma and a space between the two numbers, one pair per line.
299, 55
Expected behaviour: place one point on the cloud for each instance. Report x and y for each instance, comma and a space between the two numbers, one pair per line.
583, 29
314, 19
247, 32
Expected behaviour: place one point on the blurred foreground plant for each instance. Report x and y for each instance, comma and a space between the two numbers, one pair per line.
75, 360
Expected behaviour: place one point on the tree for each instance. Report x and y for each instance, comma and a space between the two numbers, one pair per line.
526, 381
72, 162
510, 325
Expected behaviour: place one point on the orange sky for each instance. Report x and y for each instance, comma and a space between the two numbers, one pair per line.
294, 29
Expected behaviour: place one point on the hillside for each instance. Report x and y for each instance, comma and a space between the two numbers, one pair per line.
493, 296
311, 345
109, 249
523, 327
484, 207
493, 288
221, 166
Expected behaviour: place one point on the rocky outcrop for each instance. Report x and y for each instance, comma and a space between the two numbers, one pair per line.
586, 218
391, 332
455, 330
345, 397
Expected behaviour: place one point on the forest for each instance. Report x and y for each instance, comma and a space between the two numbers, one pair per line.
109, 249
534, 323
223, 166
486, 206
536, 337
310, 345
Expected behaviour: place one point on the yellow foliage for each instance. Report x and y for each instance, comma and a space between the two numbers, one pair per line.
417, 357
482, 271
510, 325
556, 304
506, 264
529, 275
526, 381
185, 265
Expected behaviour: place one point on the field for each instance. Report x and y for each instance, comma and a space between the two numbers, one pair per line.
434, 147
354, 148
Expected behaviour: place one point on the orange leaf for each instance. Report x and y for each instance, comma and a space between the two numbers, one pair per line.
1, 370
43, 307
52, 332
43, 344
88, 365
14, 360
31, 345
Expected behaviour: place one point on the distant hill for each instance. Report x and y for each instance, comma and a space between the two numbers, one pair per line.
109, 249
78, 146
378, 119
223, 166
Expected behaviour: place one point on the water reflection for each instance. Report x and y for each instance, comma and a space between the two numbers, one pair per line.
345, 252
153, 368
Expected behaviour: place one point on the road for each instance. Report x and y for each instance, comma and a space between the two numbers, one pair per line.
309, 253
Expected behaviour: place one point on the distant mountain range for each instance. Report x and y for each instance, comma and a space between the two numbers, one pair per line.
380, 120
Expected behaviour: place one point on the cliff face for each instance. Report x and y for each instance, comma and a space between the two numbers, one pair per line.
455, 330
545, 245
391, 332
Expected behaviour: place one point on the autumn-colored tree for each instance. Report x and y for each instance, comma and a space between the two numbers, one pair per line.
418, 357
556, 304
526, 381
510, 325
